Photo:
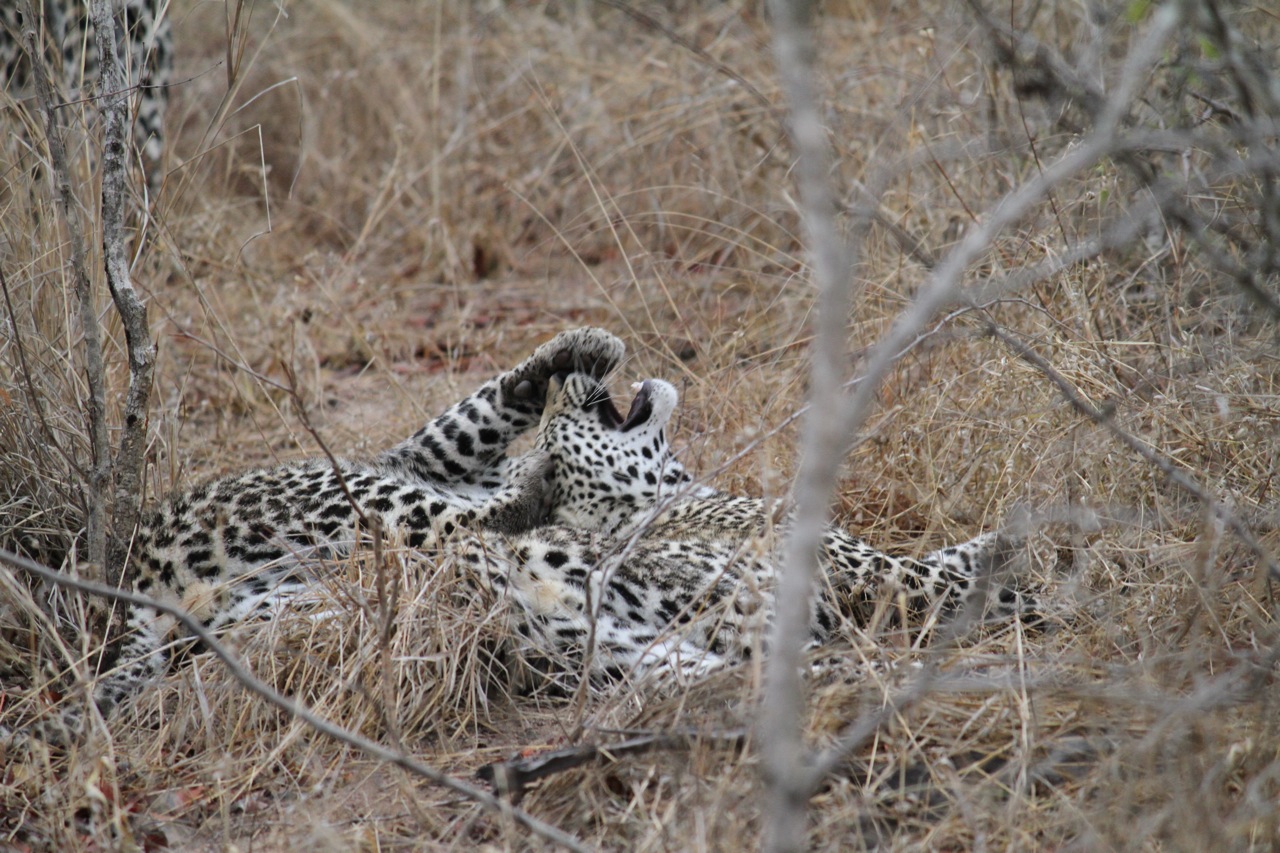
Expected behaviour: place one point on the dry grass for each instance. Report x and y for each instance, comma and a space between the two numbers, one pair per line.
397, 202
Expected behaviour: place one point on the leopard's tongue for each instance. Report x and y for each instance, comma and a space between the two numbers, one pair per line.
641, 407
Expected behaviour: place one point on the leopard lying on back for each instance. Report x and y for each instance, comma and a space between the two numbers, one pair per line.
684, 595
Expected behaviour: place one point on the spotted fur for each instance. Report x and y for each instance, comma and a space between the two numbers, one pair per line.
688, 551
610, 560
238, 547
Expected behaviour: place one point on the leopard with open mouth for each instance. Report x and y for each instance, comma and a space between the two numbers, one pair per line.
607, 555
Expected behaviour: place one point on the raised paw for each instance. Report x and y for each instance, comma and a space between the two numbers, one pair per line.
587, 350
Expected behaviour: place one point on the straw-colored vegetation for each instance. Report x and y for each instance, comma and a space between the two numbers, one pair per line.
372, 207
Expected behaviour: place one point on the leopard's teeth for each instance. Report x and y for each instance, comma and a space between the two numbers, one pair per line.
636, 386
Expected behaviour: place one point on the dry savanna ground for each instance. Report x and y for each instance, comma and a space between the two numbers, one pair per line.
371, 207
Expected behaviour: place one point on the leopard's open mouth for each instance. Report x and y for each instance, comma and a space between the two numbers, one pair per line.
639, 413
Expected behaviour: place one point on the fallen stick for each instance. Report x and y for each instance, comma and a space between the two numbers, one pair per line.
509, 778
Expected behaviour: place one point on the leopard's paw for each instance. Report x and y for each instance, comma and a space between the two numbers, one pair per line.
586, 350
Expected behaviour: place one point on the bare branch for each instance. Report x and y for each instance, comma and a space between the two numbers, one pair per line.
946, 281
1103, 417
1251, 128
1128, 686
127, 470
255, 685
48, 102
827, 429
782, 712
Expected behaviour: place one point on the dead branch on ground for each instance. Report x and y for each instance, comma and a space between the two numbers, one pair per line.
510, 778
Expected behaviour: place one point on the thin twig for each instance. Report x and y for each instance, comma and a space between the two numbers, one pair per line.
36, 402
253, 684
654, 24
387, 603
866, 727
1235, 686
909, 243
291, 385
510, 778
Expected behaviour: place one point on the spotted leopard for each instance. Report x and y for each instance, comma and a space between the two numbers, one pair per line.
144, 40
619, 582
239, 547
679, 577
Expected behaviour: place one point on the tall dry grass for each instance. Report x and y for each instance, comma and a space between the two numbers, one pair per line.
376, 206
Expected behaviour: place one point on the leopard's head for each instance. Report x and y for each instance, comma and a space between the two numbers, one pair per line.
610, 469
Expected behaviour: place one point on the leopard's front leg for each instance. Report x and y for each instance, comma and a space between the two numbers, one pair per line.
524, 502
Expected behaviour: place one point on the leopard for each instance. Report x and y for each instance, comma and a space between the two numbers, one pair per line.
689, 588
144, 40
596, 569
238, 548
